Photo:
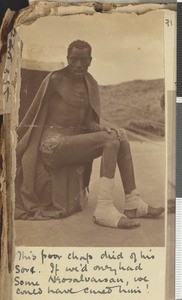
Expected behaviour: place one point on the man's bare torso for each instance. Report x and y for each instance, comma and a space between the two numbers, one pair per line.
68, 105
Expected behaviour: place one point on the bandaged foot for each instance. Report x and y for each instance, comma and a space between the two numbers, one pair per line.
106, 213
135, 207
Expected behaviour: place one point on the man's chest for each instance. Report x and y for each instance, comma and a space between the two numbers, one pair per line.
72, 93
68, 104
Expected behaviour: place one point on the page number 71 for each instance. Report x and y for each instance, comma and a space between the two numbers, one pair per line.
168, 22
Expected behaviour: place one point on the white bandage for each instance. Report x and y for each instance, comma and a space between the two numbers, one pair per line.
133, 201
105, 213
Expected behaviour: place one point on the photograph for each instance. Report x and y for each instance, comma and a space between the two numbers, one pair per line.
91, 135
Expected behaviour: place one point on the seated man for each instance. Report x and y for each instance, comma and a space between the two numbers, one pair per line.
62, 128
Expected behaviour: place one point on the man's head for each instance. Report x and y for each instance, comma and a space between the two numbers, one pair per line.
79, 57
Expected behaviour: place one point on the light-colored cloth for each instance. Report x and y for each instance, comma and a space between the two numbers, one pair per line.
134, 201
106, 213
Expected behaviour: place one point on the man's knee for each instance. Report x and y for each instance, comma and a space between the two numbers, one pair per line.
125, 146
109, 140
122, 134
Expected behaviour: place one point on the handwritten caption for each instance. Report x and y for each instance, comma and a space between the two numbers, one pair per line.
10, 58
54, 272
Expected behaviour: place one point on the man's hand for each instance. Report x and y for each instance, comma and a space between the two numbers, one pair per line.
97, 127
121, 133
107, 129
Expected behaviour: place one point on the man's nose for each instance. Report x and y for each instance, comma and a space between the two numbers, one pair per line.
78, 63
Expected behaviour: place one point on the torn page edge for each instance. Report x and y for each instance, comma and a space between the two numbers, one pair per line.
43, 9
8, 107
11, 91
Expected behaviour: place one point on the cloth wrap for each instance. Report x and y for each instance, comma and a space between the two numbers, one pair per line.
28, 203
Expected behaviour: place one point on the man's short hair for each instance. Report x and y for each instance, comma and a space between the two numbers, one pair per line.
79, 45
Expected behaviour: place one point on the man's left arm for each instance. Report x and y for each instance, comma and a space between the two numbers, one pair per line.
93, 126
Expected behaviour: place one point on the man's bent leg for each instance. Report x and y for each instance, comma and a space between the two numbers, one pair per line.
105, 213
82, 148
125, 164
134, 206
58, 150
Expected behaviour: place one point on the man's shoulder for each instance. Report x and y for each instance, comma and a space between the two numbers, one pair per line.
58, 74
61, 74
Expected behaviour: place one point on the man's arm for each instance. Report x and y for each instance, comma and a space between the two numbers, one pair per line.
92, 125
110, 128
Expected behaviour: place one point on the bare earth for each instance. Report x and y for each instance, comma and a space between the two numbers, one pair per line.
80, 231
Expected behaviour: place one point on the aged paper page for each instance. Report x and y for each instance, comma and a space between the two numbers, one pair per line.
170, 96
73, 256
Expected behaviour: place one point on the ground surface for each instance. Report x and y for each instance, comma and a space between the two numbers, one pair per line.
79, 229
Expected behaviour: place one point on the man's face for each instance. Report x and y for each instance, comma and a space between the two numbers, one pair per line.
78, 61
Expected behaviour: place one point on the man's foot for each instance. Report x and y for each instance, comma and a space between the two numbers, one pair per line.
135, 207
151, 213
126, 223
111, 217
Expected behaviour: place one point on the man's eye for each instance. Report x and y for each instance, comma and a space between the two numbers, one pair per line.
73, 59
82, 59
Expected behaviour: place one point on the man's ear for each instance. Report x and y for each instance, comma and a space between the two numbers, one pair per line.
90, 60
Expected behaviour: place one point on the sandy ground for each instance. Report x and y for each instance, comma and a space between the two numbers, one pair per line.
79, 230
